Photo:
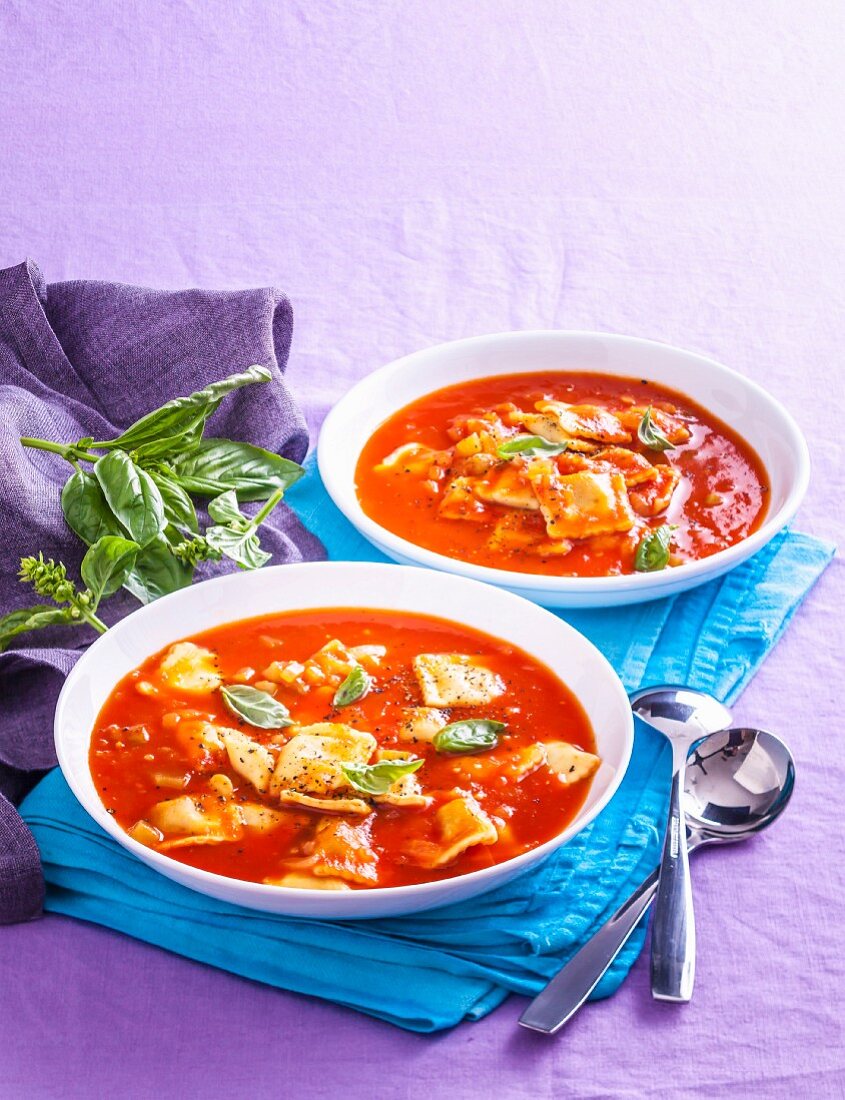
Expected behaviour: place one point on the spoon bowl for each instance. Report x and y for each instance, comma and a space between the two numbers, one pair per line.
737, 782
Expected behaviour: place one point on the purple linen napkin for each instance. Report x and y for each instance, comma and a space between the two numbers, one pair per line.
89, 358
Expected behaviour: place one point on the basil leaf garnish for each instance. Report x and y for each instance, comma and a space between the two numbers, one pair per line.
378, 778
164, 429
651, 436
178, 506
470, 735
255, 707
157, 572
106, 564
86, 510
132, 495
220, 464
653, 550
354, 687
31, 618
530, 445
242, 547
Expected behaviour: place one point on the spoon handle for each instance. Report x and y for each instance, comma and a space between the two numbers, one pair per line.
673, 927
573, 983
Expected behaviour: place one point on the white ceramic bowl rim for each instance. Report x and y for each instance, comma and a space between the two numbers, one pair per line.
640, 582
257, 890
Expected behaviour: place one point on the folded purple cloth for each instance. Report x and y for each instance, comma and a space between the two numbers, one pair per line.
87, 359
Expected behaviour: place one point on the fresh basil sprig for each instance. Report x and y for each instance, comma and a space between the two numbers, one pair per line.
529, 445
354, 687
378, 778
139, 485
653, 549
258, 708
469, 735
104, 569
651, 436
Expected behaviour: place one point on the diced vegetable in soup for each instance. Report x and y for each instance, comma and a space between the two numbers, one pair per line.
342, 750
562, 473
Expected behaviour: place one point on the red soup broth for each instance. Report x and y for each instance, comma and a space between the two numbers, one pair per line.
535, 705
719, 499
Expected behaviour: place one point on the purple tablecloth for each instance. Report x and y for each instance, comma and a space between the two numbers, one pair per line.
413, 173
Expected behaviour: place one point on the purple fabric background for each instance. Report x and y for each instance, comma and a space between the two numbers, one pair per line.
411, 173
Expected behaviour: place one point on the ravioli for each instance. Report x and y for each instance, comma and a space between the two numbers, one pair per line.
455, 680
570, 764
576, 506
189, 668
312, 760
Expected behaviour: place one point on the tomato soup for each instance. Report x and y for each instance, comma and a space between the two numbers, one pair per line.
566, 474
338, 749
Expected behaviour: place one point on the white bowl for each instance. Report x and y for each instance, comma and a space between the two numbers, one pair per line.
354, 585
741, 404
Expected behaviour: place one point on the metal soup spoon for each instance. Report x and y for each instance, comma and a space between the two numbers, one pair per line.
683, 716
738, 782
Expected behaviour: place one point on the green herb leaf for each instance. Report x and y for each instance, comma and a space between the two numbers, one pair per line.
354, 687
651, 436
132, 495
256, 707
164, 431
653, 549
470, 735
178, 506
157, 572
221, 464
31, 618
224, 509
86, 509
378, 778
106, 564
528, 445
242, 547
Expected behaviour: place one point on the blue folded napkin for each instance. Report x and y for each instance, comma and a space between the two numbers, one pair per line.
432, 970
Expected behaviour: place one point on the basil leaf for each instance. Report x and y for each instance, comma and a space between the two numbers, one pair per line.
106, 564
356, 685
653, 550
224, 509
178, 506
176, 419
221, 464
157, 572
470, 735
256, 707
31, 618
530, 445
86, 510
132, 495
378, 778
651, 436
242, 546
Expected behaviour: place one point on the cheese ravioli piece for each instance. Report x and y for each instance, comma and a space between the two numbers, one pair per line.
421, 723
249, 758
460, 824
343, 851
311, 761
576, 506
455, 680
569, 763
190, 668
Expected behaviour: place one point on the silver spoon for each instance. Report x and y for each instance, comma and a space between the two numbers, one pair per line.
683, 716
738, 782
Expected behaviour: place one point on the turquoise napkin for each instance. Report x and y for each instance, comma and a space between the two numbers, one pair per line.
432, 970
